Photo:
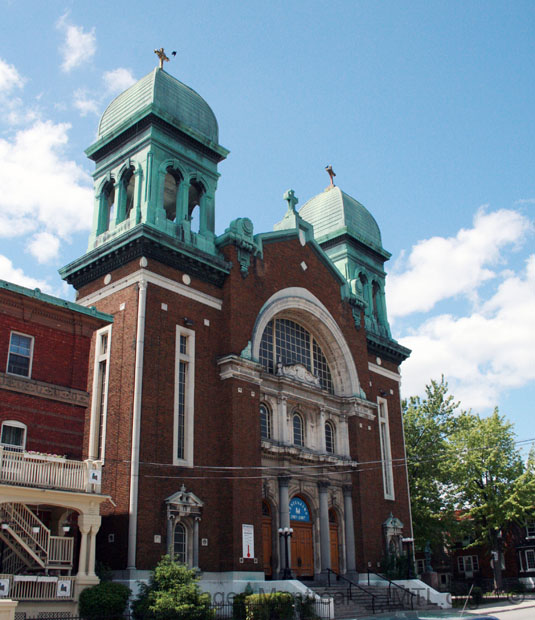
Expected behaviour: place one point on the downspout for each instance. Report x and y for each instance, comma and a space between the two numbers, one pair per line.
136, 426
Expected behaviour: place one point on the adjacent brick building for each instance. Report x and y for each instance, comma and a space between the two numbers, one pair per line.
249, 381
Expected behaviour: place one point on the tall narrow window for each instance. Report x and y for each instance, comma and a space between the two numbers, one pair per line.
184, 388
99, 404
265, 422
129, 186
329, 437
180, 543
194, 201
298, 430
19, 360
107, 207
386, 454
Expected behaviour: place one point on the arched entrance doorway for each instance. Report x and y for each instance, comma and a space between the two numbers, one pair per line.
302, 540
333, 538
267, 534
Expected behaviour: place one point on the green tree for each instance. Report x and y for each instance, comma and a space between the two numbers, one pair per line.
429, 423
493, 485
172, 594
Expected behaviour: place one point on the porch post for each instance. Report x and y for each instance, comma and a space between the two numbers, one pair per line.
351, 566
92, 545
82, 561
325, 545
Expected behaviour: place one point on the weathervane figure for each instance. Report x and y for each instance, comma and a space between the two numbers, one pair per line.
331, 173
162, 56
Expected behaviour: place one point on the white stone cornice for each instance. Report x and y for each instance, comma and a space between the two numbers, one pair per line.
379, 370
143, 275
234, 367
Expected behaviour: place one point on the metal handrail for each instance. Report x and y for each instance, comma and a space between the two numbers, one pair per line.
351, 583
392, 583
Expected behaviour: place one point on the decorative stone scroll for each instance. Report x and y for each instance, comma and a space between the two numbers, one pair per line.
44, 390
299, 372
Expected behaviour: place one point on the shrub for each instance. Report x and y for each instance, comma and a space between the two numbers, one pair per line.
477, 595
238, 603
306, 607
274, 606
172, 594
109, 596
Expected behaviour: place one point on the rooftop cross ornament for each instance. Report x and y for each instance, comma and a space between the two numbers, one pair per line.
291, 199
331, 173
162, 56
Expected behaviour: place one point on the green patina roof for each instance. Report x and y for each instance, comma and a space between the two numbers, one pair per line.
163, 95
55, 301
333, 212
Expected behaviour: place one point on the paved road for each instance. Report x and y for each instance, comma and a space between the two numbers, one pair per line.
507, 611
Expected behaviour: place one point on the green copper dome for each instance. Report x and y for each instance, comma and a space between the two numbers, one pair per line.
163, 95
333, 212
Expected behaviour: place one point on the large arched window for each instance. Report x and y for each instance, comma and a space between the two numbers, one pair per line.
289, 343
298, 430
180, 543
265, 422
329, 438
129, 185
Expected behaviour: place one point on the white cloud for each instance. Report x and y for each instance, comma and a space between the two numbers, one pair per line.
41, 187
78, 47
481, 355
44, 246
118, 80
10, 78
441, 268
85, 104
17, 276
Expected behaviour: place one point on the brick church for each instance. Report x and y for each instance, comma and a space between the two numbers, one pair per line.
249, 381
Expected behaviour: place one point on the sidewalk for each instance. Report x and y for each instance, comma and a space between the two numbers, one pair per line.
490, 608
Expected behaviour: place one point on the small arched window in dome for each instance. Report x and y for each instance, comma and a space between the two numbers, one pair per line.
329, 438
129, 184
289, 343
265, 422
298, 430
194, 201
170, 194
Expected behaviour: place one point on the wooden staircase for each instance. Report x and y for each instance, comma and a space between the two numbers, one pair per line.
31, 546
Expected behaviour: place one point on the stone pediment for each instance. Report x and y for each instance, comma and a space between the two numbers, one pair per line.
298, 372
184, 503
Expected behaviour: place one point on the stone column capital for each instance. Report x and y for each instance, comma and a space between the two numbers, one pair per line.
323, 486
284, 480
347, 490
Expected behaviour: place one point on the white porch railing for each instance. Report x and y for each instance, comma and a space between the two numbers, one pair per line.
61, 550
25, 469
36, 588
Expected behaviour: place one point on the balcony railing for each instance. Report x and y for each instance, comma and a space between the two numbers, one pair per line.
36, 588
44, 471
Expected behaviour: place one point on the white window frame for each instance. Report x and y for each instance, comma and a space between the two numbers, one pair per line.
462, 562
420, 566
269, 422
99, 401
32, 340
530, 528
524, 562
386, 449
189, 359
16, 424
297, 413
330, 423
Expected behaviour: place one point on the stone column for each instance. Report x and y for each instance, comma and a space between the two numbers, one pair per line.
321, 431
92, 546
182, 199
350, 533
325, 545
82, 561
196, 542
284, 519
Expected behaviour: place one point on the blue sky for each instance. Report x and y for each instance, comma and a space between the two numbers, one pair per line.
424, 110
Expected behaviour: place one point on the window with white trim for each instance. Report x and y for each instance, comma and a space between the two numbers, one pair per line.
530, 529
184, 388
180, 543
13, 435
386, 452
19, 359
420, 566
527, 560
330, 446
99, 404
298, 430
468, 563
265, 422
